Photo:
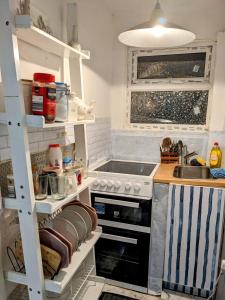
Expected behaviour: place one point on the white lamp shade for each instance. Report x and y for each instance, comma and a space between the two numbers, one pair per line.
156, 37
157, 33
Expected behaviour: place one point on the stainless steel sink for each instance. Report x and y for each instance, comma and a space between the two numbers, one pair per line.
190, 172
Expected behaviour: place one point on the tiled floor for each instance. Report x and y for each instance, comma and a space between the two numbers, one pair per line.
140, 296
21, 294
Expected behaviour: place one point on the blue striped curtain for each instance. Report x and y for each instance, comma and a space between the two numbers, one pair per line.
193, 239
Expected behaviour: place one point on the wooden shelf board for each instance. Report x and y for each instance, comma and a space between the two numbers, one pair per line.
49, 205
32, 35
36, 121
65, 275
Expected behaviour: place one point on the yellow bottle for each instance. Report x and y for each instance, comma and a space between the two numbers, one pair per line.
215, 156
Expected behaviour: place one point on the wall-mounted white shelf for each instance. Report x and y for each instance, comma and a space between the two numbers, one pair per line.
36, 121
32, 35
39, 122
49, 206
65, 275
71, 59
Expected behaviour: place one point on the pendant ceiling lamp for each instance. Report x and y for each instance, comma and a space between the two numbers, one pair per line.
156, 33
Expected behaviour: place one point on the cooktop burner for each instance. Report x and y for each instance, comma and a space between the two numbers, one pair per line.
127, 167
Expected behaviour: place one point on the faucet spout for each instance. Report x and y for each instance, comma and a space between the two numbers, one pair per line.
188, 156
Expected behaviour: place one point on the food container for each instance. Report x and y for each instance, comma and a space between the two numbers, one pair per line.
72, 108
44, 96
55, 156
62, 107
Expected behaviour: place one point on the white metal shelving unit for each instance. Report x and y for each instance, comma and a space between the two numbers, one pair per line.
11, 29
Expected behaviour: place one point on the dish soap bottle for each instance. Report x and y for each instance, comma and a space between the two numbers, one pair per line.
215, 156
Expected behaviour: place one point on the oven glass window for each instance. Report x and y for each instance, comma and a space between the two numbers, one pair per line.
139, 215
123, 261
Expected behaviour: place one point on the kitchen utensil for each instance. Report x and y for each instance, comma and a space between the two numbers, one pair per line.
51, 261
66, 229
85, 215
40, 186
50, 240
57, 185
77, 221
166, 144
62, 238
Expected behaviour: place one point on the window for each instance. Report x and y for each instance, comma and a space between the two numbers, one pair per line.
166, 107
169, 87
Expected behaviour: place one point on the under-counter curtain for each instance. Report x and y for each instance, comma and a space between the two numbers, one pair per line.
195, 220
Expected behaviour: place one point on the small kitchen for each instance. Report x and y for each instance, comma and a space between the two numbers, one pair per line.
112, 149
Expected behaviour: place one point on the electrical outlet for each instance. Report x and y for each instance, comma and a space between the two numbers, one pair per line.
223, 265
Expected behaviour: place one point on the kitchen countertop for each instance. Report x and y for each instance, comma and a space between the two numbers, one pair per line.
164, 174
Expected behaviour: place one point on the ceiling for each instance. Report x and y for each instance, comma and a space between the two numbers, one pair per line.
143, 5
204, 17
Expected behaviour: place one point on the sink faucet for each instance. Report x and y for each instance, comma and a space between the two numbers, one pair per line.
188, 156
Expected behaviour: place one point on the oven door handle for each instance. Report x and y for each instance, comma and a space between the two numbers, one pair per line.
119, 238
117, 202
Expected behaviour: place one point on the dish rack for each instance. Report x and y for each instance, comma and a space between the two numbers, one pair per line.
81, 270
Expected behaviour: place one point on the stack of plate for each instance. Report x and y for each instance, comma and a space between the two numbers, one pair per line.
67, 231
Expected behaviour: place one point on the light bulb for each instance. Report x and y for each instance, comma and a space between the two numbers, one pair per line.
158, 30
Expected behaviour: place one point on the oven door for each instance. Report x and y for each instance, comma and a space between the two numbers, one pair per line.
123, 256
127, 210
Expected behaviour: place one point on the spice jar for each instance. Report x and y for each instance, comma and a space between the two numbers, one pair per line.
44, 96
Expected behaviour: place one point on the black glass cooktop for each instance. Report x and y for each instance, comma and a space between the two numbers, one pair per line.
127, 167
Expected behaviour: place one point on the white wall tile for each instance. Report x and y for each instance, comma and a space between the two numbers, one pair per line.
99, 141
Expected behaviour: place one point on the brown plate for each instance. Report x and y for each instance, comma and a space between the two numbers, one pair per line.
63, 239
51, 241
66, 229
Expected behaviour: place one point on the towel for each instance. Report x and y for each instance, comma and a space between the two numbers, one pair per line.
193, 238
217, 173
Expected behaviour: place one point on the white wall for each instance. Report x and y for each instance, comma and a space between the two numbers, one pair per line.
96, 31
204, 22
95, 34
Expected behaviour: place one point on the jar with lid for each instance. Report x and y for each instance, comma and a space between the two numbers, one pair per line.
44, 96
62, 92
55, 156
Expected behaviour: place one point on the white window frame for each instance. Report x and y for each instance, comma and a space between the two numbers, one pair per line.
180, 84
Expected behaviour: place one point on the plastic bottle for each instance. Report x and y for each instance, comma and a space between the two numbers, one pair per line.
215, 156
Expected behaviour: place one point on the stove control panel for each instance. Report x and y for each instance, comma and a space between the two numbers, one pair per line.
127, 187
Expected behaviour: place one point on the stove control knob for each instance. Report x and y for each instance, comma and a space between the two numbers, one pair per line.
110, 184
117, 185
103, 183
137, 187
128, 186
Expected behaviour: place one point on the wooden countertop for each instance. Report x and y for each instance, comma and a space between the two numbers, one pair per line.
164, 174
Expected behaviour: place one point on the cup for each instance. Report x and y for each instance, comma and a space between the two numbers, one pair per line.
40, 186
57, 186
71, 183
